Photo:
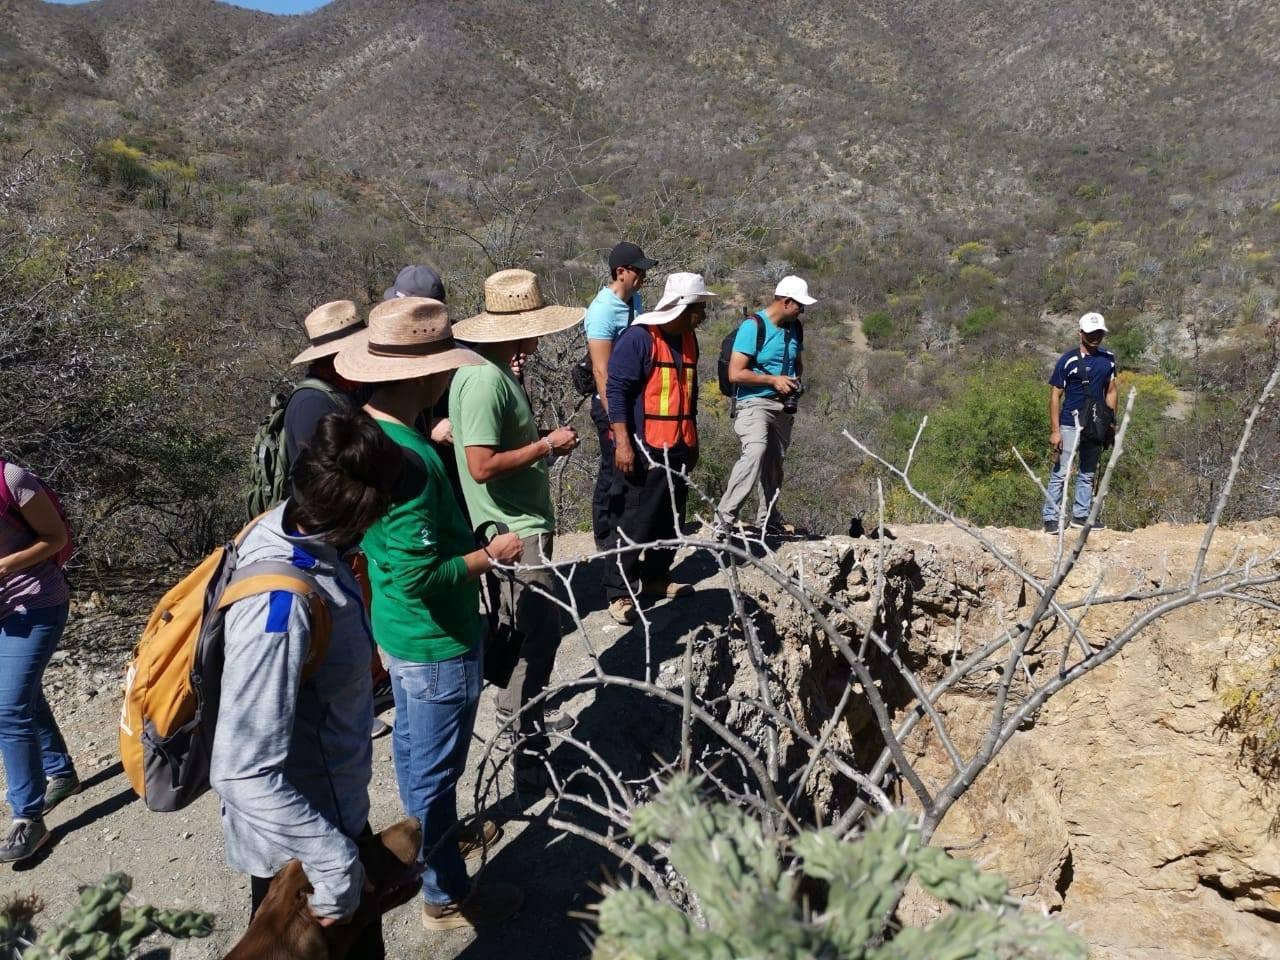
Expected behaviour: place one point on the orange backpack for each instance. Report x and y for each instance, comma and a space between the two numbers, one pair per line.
173, 684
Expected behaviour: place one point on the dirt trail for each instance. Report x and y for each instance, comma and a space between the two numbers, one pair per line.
176, 859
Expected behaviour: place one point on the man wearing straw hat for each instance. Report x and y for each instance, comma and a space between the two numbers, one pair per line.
503, 461
424, 569
323, 391
653, 409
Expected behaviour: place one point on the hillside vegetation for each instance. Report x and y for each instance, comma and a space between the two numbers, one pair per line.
181, 181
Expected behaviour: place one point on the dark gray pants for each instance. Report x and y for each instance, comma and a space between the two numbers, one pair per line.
537, 617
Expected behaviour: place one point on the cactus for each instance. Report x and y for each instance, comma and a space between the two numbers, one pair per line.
100, 927
745, 886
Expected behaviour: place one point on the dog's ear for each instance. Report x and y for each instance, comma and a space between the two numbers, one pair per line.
401, 840
280, 930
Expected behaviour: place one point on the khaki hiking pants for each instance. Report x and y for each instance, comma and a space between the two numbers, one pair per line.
765, 432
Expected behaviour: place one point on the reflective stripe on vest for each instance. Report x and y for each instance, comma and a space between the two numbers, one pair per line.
668, 394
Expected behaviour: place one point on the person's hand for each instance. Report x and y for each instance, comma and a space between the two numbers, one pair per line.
506, 548
624, 457
784, 385
563, 440
1055, 442
442, 432
329, 921
517, 365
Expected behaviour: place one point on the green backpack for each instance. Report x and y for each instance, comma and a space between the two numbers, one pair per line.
269, 472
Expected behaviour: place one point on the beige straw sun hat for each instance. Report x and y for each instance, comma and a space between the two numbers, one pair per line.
514, 310
328, 327
407, 337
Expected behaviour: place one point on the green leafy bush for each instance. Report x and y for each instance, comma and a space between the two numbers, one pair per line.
878, 328
812, 895
977, 322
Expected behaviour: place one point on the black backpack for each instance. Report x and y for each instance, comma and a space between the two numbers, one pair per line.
726, 349
581, 374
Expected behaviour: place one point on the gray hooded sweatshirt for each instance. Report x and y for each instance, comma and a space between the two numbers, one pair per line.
292, 761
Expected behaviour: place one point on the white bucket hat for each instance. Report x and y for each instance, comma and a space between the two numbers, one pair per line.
681, 290
793, 288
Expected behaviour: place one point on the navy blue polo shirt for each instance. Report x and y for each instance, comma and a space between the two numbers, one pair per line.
1070, 373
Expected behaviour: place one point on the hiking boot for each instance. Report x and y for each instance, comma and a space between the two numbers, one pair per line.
783, 529
487, 904
476, 837
57, 789
1051, 526
25, 838
1080, 522
664, 590
380, 728
553, 721
383, 699
623, 610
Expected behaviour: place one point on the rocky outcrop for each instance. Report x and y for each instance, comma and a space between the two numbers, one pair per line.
1122, 804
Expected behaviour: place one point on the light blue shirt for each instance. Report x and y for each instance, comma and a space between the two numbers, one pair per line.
777, 356
607, 315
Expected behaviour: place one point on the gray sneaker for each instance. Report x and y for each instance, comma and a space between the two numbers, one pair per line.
57, 789
25, 838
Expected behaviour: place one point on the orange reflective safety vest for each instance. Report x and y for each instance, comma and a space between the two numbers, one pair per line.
669, 394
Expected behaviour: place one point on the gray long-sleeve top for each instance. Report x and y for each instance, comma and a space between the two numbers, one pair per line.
291, 760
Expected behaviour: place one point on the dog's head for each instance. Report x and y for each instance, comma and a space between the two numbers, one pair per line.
284, 929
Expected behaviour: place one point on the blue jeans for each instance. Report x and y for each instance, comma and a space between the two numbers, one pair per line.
1086, 468
435, 714
30, 741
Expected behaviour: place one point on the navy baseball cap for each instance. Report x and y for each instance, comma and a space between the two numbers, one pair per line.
629, 255
416, 281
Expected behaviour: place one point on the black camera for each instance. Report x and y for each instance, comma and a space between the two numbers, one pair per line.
791, 402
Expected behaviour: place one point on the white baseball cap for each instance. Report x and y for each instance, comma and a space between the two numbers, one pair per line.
793, 288
1093, 322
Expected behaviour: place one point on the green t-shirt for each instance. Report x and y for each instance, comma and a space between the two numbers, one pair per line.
425, 607
487, 408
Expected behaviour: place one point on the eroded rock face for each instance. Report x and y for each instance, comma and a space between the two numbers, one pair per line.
1123, 804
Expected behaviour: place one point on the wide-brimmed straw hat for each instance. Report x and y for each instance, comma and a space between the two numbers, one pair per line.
514, 310
681, 290
406, 337
328, 327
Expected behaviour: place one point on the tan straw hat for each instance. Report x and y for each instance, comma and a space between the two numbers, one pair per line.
407, 337
514, 309
328, 327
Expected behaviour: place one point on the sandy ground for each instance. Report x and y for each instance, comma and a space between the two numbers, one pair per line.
176, 859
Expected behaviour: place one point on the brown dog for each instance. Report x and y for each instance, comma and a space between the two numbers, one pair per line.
284, 929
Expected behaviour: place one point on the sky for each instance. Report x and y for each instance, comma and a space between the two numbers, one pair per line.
271, 6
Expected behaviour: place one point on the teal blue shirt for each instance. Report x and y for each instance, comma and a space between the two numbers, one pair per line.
777, 356
607, 315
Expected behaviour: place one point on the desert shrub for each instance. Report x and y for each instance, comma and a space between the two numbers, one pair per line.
811, 895
878, 328
1253, 714
977, 322
101, 926
972, 252
117, 163
1128, 342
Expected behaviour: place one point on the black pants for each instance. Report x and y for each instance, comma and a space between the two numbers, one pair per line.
368, 944
640, 506
600, 524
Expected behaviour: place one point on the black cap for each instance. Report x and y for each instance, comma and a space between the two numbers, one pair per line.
629, 255
416, 282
